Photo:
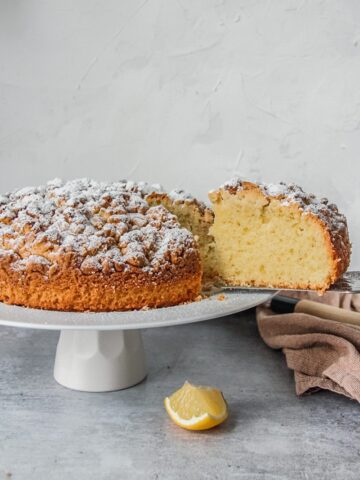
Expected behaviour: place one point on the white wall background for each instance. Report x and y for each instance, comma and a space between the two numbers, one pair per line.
183, 92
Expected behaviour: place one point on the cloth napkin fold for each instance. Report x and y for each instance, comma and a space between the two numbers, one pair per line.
323, 354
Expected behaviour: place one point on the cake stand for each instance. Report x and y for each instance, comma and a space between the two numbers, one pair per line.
99, 352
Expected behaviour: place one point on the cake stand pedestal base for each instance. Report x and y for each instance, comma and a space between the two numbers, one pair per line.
99, 361
103, 351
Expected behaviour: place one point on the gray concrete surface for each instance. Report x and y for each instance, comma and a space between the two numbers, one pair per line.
48, 432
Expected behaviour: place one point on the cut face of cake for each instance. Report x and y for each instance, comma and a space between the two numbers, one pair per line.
277, 236
192, 214
196, 217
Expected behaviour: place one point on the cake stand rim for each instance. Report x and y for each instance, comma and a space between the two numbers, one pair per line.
193, 312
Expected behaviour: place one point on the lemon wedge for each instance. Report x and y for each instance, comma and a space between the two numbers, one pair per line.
195, 407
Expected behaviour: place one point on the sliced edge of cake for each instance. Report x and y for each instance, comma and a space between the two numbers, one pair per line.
277, 236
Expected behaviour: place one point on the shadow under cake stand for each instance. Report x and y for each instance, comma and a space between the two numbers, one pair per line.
99, 352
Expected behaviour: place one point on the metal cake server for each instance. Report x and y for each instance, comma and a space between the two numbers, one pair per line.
348, 283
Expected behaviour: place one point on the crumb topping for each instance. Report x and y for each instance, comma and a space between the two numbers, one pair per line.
176, 196
292, 193
105, 226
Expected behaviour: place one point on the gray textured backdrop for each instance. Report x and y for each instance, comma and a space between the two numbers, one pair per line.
185, 93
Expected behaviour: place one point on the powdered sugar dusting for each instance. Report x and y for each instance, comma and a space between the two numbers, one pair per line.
179, 195
103, 226
157, 192
275, 189
142, 188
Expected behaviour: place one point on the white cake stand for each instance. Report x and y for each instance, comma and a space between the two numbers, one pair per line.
99, 352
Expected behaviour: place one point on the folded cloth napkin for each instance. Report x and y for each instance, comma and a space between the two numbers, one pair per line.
323, 354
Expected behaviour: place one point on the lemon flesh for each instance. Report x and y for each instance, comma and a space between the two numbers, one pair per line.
195, 407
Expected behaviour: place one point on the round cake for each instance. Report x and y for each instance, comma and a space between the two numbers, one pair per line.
88, 246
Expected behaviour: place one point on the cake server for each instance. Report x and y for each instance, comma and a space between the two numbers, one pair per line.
348, 283
284, 304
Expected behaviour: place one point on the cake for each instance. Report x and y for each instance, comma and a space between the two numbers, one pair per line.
88, 246
277, 236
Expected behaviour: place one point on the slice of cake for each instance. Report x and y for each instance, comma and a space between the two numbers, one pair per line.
277, 236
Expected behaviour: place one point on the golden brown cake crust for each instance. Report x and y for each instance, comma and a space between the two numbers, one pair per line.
82, 245
70, 289
327, 215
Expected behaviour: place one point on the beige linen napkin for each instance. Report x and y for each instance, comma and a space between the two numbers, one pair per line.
323, 354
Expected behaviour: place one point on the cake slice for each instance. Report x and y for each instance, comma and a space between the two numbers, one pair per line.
277, 236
